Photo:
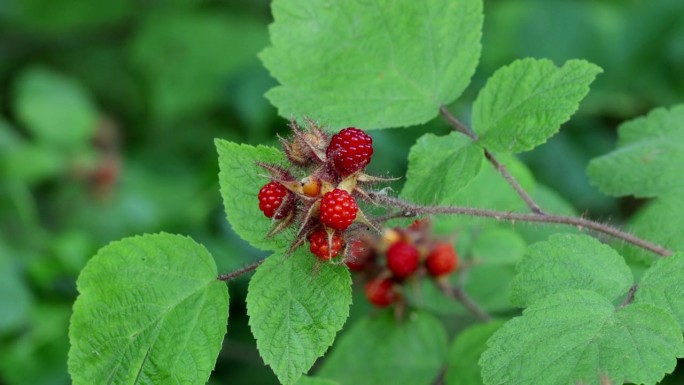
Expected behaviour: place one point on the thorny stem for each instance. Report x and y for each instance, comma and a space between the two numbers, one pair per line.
457, 125
409, 210
457, 293
629, 298
237, 273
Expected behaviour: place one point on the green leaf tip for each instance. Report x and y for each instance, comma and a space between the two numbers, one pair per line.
150, 311
371, 64
524, 104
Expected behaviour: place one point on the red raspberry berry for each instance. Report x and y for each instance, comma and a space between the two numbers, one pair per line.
359, 255
442, 260
338, 209
322, 247
350, 150
402, 259
380, 292
271, 198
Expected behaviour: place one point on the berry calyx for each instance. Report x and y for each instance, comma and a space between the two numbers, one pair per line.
380, 292
442, 260
325, 246
402, 259
358, 255
350, 150
271, 198
338, 209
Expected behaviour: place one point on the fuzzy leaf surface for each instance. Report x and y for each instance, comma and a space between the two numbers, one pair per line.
379, 348
296, 306
240, 180
569, 261
465, 353
524, 104
371, 64
440, 166
649, 159
578, 336
663, 286
150, 311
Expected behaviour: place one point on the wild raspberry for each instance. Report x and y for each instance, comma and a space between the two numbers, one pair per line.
324, 247
442, 260
271, 198
402, 259
359, 255
338, 209
350, 150
380, 292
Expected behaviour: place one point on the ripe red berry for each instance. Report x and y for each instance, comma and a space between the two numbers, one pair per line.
271, 198
359, 255
350, 150
402, 259
338, 209
380, 292
442, 260
324, 247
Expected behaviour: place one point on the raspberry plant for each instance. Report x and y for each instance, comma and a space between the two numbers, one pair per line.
600, 305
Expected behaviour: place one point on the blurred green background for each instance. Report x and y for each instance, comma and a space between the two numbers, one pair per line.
108, 111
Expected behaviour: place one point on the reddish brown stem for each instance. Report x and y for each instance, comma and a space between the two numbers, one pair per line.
237, 273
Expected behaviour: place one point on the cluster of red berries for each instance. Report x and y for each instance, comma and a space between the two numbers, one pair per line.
322, 202
411, 252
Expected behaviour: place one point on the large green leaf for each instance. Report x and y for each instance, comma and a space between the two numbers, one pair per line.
663, 285
150, 311
523, 104
381, 349
578, 336
304, 380
240, 180
372, 64
439, 166
465, 353
55, 108
296, 306
649, 159
568, 261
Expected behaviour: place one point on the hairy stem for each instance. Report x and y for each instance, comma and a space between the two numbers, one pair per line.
457, 293
237, 273
629, 298
409, 210
457, 125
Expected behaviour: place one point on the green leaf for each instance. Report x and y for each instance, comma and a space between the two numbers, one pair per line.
465, 353
439, 166
578, 337
296, 305
375, 64
187, 57
524, 104
409, 352
663, 286
150, 311
661, 221
568, 261
240, 180
649, 159
55, 108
